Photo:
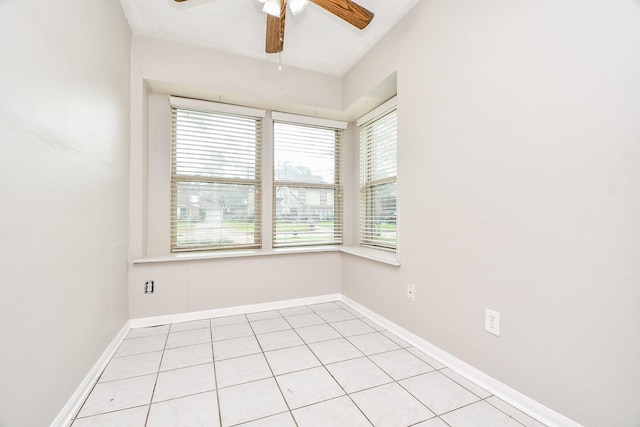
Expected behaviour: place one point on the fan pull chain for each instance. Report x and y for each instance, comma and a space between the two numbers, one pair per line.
279, 61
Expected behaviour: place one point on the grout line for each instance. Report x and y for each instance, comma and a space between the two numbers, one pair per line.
271, 370
155, 383
215, 374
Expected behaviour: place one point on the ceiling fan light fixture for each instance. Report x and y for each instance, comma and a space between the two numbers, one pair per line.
272, 7
297, 6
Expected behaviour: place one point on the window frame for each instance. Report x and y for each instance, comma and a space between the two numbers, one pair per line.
217, 109
338, 127
367, 183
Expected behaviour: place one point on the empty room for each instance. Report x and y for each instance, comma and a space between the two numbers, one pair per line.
320, 213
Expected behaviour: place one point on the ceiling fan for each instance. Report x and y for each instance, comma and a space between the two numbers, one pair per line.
347, 10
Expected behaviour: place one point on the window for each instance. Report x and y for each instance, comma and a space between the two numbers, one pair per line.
215, 176
307, 187
378, 212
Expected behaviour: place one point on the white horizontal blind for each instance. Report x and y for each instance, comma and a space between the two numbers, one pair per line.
378, 146
215, 180
307, 203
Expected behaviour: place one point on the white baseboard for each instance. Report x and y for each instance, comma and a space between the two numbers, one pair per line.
231, 311
82, 392
516, 399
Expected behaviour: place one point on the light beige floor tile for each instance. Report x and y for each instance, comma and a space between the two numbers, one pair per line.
134, 417
292, 311
425, 358
316, 333
352, 327
131, 366
146, 344
391, 406
199, 410
335, 315
373, 343
235, 347
400, 364
514, 413
278, 340
269, 325
335, 350
439, 393
234, 330
473, 388
145, 332
280, 420
182, 357
262, 315
302, 320
479, 414
189, 337
332, 413
241, 370
307, 387
291, 359
184, 382
358, 374
186, 326
251, 401
116, 395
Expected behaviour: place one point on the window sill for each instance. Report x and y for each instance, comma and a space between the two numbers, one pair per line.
240, 253
378, 255
381, 256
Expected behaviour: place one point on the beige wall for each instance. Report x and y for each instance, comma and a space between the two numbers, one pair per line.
161, 67
64, 127
519, 190
183, 287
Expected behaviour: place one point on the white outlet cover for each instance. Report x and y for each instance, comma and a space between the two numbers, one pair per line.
411, 292
492, 322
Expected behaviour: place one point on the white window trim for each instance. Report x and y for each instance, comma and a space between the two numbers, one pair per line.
380, 256
216, 107
379, 110
338, 186
177, 103
308, 120
383, 253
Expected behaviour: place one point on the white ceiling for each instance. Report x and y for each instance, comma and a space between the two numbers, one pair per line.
314, 39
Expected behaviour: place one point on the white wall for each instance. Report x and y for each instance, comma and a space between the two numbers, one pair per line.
519, 190
64, 131
161, 67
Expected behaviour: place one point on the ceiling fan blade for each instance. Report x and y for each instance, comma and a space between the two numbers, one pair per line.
275, 30
351, 12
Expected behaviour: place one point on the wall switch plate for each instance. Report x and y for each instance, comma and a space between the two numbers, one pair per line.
411, 292
492, 322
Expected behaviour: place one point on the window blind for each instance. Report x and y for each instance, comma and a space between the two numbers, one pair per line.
378, 213
215, 180
307, 203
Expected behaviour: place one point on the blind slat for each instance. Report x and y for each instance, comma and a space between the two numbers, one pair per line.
307, 202
215, 198
378, 159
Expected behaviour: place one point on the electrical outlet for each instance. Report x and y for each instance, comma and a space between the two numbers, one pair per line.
492, 322
149, 287
411, 292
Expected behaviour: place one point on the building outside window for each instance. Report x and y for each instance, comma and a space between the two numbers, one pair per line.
307, 204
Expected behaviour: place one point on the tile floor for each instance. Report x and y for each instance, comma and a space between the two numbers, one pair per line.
317, 365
